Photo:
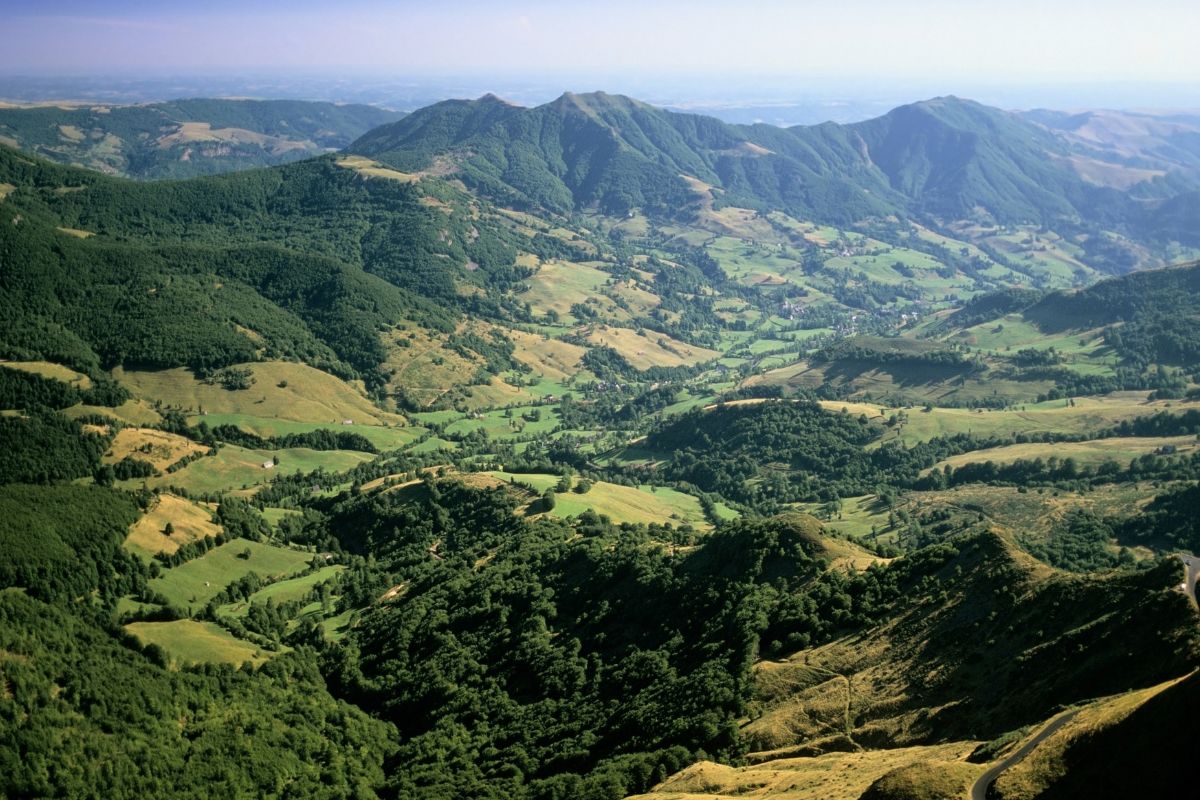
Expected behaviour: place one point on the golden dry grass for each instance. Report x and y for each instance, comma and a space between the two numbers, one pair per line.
833, 776
190, 522
76, 232
1031, 776
49, 370
1088, 453
158, 448
6, 189
648, 349
309, 395
131, 412
373, 169
548, 357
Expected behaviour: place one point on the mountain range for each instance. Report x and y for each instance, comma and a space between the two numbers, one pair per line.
185, 138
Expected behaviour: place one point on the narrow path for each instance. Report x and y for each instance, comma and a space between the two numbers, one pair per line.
980, 788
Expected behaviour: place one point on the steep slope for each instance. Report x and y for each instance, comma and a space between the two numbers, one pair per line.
184, 138
946, 157
309, 261
954, 158
617, 153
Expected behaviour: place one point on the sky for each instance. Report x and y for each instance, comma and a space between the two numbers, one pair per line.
933, 43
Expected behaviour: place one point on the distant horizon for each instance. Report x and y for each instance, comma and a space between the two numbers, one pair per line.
855, 57
775, 100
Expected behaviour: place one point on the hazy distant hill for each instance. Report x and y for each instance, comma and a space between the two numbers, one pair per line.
185, 138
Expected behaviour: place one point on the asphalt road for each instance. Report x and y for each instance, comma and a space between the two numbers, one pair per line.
980, 788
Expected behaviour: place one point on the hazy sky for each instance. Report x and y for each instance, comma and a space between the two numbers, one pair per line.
1020, 41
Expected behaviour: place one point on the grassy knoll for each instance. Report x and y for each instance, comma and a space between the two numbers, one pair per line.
649, 349
833, 776
158, 448
1089, 453
373, 169
384, 438
547, 356
1080, 416
49, 370
558, 285
194, 583
233, 467
913, 384
189, 522
282, 390
188, 641
422, 366
643, 504
508, 423
284, 591
131, 412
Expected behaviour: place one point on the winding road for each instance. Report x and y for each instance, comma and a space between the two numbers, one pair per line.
1193, 572
980, 788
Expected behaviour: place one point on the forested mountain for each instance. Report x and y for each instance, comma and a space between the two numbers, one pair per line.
184, 138
948, 158
590, 450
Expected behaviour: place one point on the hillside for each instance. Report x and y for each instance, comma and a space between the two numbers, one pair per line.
186, 138
585, 449
946, 158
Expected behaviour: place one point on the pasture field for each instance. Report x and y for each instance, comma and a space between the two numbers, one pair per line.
189, 521
643, 504
507, 423
284, 591
649, 349
192, 584
384, 438
131, 412
1083, 415
373, 169
1089, 453
233, 467
189, 641
420, 364
158, 448
917, 385
48, 369
281, 390
547, 356
273, 515
558, 285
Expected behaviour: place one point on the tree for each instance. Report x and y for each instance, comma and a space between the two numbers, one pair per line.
169, 529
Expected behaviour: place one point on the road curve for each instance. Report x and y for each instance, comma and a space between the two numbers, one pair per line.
1192, 564
980, 788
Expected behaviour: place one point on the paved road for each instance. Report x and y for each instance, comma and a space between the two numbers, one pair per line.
1193, 573
980, 788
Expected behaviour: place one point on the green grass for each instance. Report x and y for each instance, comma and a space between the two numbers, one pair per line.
1086, 416
188, 641
499, 426
284, 591
1090, 453
384, 438
234, 467
192, 584
281, 390
644, 504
